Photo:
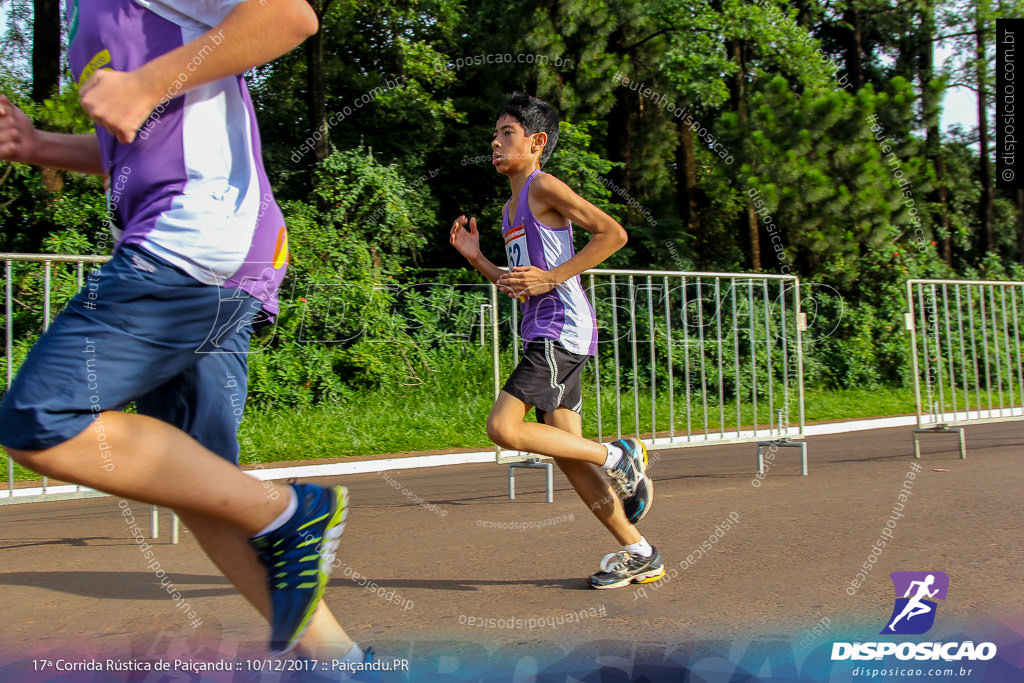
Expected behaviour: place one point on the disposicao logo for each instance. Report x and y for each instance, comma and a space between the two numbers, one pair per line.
913, 613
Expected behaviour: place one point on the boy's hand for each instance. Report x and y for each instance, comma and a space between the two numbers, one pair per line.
119, 101
17, 134
467, 243
527, 281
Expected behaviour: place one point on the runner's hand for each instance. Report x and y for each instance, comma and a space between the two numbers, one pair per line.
527, 281
118, 101
466, 242
17, 134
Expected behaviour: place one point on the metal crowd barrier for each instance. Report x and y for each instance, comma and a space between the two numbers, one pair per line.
61, 277
684, 359
965, 353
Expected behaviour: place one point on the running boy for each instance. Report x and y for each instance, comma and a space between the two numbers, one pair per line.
559, 331
166, 323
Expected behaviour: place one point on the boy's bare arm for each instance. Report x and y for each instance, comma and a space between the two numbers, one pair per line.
253, 33
20, 141
607, 237
467, 242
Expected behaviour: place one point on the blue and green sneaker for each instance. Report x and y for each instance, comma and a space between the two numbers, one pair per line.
299, 557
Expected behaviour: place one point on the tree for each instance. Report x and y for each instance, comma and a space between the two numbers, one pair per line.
932, 87
981, 34
972, 27
46, 49
315, 93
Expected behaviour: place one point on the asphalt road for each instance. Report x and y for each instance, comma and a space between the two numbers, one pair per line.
464, 574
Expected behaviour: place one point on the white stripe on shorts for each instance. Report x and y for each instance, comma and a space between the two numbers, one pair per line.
549, 346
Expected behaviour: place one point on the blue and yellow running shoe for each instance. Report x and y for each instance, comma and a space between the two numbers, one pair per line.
299, 557
623, 568
639, 504
629, 471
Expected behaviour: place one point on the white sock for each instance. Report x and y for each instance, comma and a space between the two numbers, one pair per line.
614, 456
354, 655
293, 505
641, 547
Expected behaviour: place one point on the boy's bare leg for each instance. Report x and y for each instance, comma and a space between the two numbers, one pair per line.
155, 463
591, 483
506, 428
236, 559
152, 462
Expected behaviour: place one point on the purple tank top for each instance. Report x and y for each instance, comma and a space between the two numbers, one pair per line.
564, 314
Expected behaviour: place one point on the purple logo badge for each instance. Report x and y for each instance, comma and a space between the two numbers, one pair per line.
916, 592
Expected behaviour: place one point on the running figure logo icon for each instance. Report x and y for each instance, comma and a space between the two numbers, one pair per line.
914, 611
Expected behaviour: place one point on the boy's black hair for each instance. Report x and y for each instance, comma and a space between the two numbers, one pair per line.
535, 116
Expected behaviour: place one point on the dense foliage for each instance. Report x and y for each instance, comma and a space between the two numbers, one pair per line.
726, 135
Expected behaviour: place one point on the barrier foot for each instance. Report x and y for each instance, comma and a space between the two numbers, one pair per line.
940, 429
154, 524
784, 442
532, 464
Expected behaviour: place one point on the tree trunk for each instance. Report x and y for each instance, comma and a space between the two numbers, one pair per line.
1020, 225
854, 46
45, 49
686, 188
618, 136
803, 15
619, 117
930, 101
947, 239
316, 95
46, 69
985, 206
738, 102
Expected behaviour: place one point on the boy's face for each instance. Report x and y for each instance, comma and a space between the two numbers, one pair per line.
512, 149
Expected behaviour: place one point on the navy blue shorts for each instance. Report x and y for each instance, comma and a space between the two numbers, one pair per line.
139, 330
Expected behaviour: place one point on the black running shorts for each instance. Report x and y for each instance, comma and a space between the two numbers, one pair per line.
547, 377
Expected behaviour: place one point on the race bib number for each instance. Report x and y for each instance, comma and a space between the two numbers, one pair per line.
515, 247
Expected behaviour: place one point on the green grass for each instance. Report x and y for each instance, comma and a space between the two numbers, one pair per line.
819, 405
415, 419
425, 419
429, 417
852, 404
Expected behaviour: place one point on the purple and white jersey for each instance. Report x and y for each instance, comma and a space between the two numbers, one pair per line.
563, 314
191, 188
